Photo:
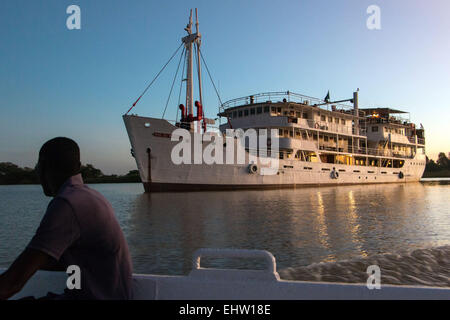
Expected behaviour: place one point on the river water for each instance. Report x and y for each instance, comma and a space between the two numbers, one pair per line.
299, 226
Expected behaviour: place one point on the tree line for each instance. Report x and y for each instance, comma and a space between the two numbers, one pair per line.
438, 168
11, 173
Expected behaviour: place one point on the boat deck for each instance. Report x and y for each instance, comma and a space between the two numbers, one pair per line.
219, 284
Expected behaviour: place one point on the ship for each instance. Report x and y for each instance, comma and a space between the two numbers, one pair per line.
317, 142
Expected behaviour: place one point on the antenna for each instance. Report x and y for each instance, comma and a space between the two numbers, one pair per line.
196, 21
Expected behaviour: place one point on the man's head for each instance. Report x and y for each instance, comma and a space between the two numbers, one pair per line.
59, 159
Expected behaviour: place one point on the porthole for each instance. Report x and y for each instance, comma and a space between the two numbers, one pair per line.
147, 125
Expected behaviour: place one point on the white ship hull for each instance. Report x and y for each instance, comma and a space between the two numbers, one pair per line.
159, 173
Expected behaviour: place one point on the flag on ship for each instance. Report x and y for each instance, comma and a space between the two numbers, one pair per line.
327, 97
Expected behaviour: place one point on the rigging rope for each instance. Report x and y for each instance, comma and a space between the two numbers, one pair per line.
154, 79
209, 74
181, 86
173, 82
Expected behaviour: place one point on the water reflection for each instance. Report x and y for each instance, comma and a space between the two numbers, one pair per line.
298, 226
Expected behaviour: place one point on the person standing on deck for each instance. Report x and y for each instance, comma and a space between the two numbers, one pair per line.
79, 228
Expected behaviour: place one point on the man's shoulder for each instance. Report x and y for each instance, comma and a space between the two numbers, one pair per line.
83, 197
76, 191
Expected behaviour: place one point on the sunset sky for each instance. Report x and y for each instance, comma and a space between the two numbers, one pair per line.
79, 83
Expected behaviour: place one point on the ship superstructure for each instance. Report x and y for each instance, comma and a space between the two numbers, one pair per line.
320, 142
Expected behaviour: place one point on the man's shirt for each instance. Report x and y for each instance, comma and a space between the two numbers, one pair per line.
80, 228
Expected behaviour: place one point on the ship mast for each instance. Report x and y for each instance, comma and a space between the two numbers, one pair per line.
199, 69
189, 41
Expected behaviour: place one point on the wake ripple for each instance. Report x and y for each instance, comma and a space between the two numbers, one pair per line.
422, 267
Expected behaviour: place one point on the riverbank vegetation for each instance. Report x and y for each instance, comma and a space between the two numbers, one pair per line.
439, 168
10, 173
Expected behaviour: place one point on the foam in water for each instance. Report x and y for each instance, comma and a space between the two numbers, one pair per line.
421, 267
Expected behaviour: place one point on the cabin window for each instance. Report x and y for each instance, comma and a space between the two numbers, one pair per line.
323, 118
266, 109
234, 114
259, 110
327, 158
304, 137
340, 159
343, 121
325, 138
291, 133
246, 112
398, 163
330, 119
240, 113
298, 114
360, 161
281, 155
375, 129
252, 111
305, 115
336, 120
309, 156
280, 132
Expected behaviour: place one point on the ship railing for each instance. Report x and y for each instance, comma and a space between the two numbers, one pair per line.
185, 124
366, 151
400, 122
334, 127
419, 140
412, 139
287, 96
358, 151
386, 153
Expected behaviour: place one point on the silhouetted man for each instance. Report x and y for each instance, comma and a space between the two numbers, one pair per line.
79, 228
